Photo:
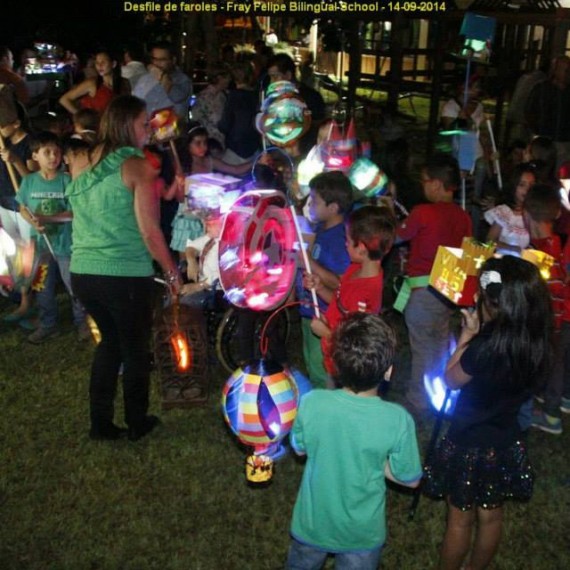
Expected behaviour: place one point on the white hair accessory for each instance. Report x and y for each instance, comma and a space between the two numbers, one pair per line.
488, 277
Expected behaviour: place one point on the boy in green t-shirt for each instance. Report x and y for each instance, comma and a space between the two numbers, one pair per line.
43, 204
353, 441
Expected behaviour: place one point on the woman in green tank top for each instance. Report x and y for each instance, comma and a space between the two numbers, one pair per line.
116, 234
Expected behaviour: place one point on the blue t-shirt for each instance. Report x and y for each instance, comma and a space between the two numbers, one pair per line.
47, 197
329, 250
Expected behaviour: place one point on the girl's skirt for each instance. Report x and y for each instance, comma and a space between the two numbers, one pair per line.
185, 227
482, 477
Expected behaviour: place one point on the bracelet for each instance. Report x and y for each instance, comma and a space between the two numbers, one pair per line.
171, 277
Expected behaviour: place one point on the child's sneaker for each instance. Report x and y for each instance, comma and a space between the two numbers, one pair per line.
565, 405
42, 334
547, 423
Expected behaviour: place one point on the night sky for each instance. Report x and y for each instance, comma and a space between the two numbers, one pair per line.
79, 25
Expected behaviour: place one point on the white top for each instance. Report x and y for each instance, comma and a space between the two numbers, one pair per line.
133, 71
209, 266
513, 231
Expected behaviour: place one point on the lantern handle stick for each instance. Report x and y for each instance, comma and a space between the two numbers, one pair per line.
429, 452
10, 167
46, 239
496, 159
305, 259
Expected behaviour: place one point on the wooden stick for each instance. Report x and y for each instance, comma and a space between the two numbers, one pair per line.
495, 160
305, 260
10, 167
177, 164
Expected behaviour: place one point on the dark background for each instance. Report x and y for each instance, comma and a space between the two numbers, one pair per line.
80, 25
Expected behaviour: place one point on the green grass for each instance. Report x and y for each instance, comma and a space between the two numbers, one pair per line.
178, 499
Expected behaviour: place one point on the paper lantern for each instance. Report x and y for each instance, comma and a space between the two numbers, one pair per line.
308, 168
284, 116
454, 271
18, 261
368, 178
259, 403
257, 256
339, 150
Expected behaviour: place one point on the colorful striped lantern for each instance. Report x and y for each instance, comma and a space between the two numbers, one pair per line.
259, 404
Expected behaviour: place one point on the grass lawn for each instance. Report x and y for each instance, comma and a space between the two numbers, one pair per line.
178, 499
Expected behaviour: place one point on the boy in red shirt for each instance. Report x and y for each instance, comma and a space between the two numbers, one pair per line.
370, 235
541, 209
427, 314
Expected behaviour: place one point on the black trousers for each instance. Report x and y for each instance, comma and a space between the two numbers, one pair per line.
122, 307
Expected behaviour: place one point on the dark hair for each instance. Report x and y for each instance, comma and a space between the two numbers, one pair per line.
243, 72
375, 228
284, 63
333, 187
542, 203
4, 51
116, 127
544, 156
165, 46
363, 348
87, 119
445, 168
514, 179
522, 318
117, 79
75, 145
44, 138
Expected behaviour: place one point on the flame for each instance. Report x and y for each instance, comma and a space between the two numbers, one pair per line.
181, 351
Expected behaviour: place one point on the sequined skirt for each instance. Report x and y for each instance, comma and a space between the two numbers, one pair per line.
482, 477
185, 228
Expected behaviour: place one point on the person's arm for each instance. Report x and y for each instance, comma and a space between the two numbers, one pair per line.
67, 100
193, 267
390, 476
320, 328
494, 232
235, 169
31, 219
59, 218
455, 376
8, 156
140, 177
313, 281
327, 278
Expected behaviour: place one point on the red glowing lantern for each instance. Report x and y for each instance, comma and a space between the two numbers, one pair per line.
257, 255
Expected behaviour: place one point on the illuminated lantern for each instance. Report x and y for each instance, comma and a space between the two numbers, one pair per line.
18, 261
308, 168
257, 256
284, 116
368, 178
436, 390
181, 350
259, 403
339, 150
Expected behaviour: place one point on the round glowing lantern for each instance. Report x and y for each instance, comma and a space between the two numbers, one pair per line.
18, 261
368, 178
257, 256
259, 404
284, 116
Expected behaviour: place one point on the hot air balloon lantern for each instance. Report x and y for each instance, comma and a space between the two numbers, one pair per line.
259, 403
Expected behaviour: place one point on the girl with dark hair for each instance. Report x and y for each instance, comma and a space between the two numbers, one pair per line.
508, 229
97, 92
502, 352
116, 236
197, 160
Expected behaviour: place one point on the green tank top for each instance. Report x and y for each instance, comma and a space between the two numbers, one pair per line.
106, 236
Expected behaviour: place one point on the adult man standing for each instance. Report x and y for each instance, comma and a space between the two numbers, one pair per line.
164, 84
548, 108
9, 77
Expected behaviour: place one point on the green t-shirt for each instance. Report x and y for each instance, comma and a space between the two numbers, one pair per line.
348, 439
106, 236
47, 197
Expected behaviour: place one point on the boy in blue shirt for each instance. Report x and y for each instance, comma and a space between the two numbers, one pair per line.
330, 200
354, 441
43, 205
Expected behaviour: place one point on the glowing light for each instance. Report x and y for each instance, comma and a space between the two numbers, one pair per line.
257, 257
229, 259
277, 270
368, 178
256, 301
181, 350
436, 390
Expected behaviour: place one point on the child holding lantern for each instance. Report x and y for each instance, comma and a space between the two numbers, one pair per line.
370, 235
501, 354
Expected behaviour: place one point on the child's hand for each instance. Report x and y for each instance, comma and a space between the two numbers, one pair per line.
470, 321
320, 327
192, 270
7, 155
191, 288
311, 281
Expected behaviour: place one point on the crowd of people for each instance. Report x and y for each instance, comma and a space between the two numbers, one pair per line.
107, 208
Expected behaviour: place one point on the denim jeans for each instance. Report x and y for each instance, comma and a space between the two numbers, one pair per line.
304, 557
427, 319
46, 298
558, 382
122, 308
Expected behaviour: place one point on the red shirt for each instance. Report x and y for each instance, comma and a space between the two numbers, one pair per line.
429, 226
100, 100
552, 246
354, 294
